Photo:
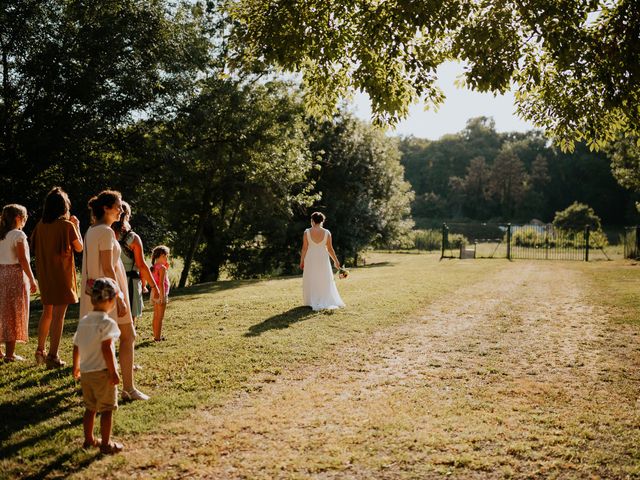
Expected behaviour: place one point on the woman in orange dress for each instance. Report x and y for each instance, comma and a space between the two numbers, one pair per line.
54, 241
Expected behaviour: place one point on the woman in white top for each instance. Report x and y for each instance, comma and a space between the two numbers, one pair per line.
16, 280
101, 258
318, 285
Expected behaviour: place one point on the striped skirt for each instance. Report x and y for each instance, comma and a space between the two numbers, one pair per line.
14, 304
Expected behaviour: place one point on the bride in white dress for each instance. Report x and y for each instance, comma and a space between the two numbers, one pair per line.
318, 284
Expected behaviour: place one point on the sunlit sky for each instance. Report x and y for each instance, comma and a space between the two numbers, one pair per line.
460, 105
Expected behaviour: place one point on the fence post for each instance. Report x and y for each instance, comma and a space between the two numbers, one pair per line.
445, 239
587, 229
508, 241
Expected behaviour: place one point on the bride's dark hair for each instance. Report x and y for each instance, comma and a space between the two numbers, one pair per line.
317, 217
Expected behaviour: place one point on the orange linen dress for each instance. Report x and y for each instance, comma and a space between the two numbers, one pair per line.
52, 245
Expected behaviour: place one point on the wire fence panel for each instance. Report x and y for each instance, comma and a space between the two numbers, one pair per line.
543, 242
539, 242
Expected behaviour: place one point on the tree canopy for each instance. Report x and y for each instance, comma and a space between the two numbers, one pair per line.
574, 63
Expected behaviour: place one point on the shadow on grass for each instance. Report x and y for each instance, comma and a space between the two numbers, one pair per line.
30, 411
376, 264
62, 462
280, 321
37, 416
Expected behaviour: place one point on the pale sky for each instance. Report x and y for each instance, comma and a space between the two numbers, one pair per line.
452, 116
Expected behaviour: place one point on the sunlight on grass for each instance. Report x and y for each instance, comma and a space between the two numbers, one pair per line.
220, 338
234, 337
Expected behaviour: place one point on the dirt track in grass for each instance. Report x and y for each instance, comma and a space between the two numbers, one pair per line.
519, 376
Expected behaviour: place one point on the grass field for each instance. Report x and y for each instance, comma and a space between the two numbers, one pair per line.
238, 354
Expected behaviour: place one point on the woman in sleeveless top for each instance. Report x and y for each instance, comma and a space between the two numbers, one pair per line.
318, 284
132, 257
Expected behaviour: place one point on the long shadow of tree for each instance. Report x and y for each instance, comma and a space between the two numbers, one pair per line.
281, 321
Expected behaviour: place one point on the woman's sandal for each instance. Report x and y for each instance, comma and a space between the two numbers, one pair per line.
41, 356
96, 443
111, 448
134, 394
13, 358
54, 362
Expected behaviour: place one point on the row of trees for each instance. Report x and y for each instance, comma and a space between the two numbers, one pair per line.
170, 103
226, 167
482, 175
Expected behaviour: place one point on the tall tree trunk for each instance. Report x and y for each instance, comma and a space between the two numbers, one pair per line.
195, 241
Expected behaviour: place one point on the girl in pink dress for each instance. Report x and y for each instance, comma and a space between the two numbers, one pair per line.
160, 267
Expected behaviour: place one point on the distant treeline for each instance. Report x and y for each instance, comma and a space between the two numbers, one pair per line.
479, 174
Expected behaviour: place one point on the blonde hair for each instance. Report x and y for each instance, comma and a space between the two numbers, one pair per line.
10, 214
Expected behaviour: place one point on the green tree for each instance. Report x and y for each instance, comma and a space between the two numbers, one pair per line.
74, 75
235, 171
361, 183
508, 182
535, 201
476, 188
625, 163
576, 217
573, 62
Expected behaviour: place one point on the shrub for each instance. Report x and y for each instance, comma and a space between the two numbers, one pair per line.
427, 239
457, 240
576, 217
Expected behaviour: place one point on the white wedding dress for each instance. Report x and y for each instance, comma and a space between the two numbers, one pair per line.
318, 285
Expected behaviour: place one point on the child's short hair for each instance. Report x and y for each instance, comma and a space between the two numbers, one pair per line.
159, 250
104, 289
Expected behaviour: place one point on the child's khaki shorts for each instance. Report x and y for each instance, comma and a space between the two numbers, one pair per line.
98, 393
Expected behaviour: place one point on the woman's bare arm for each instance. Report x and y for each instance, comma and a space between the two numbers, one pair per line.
106, 262
76, 243
332, 253
21, 252
305, 246
138, 256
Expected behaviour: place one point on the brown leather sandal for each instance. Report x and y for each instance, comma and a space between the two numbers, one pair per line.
96, 443
41, 357
54, 362
111, 448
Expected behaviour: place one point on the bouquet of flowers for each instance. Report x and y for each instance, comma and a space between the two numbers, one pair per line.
343, 272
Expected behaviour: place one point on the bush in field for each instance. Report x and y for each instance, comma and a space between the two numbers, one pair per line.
573, 220
432, 240
598, 239
427, 239
457, 240
528, 238
575, 217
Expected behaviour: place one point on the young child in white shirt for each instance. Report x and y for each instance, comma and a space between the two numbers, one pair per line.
94, 363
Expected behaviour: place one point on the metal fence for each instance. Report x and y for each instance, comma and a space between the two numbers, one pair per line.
543, 242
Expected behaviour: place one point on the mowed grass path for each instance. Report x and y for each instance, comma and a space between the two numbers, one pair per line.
473, 368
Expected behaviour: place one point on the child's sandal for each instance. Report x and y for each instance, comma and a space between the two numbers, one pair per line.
111, 448
96, 443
